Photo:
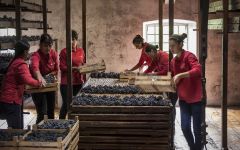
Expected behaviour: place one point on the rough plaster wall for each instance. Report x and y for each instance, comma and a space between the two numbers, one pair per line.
214, 69
111, 25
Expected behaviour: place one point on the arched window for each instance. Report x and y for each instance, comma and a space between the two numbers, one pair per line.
151, 33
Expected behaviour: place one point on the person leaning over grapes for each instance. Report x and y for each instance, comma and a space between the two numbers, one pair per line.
78, 58
160, 63
139, 43
44, 62
186, 72
18, 75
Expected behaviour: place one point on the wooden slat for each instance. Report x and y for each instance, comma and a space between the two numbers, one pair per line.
121, 117
124, 132
136, 125
74, 142
91, 68
93, 146
123, 139
41, 90
121, 109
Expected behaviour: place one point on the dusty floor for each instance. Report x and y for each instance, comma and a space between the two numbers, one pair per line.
213, 120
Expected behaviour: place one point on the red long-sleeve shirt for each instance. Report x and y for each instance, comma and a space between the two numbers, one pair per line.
188, 89
144, 57
78, 58
17, 76
160, 65
45, 63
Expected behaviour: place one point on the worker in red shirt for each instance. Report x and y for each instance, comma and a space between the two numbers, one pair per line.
186, 72
78, 58
160, 64
144, 60
12, 89
44, 62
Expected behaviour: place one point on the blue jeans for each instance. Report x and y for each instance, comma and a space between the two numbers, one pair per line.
193, 111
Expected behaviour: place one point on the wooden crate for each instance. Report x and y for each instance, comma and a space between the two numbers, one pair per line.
92, 68
126, 76
72, 130
154, 84
11, 145
124, 127
48, 88
60, 144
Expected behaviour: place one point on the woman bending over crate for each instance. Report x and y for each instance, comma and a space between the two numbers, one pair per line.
78, 58
144, 60
12, 89
186, 72
159, 64
44, 62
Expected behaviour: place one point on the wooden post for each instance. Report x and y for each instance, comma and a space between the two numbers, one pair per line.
202, 40
224, 75
171, 23
69, 49
160, 20
44, 13
84, 27
84, 31
18, 19
19, 37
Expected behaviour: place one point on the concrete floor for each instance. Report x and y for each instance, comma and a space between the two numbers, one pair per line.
213, 119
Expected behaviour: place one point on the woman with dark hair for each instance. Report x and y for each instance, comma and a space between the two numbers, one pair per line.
12, 89
139, 43
44, 62
186, 72
160, 63
78, 58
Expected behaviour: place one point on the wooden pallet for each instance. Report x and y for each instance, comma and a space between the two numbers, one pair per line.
154, 84
91, 68
48, 88
124, 127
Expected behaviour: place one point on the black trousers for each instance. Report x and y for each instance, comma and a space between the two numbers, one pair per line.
65, 102
12, 113
45, 105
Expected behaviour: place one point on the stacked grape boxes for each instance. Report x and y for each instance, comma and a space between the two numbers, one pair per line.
52, 135
9, 138
47, 135
124, 120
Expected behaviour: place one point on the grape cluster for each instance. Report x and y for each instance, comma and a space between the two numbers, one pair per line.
7, 135
57, 124
50, 78
105, 75
111, 89
119, 101
45, 136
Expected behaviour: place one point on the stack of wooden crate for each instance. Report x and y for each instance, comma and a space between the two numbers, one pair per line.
123, 127
217, 5
66, 138
217, 24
